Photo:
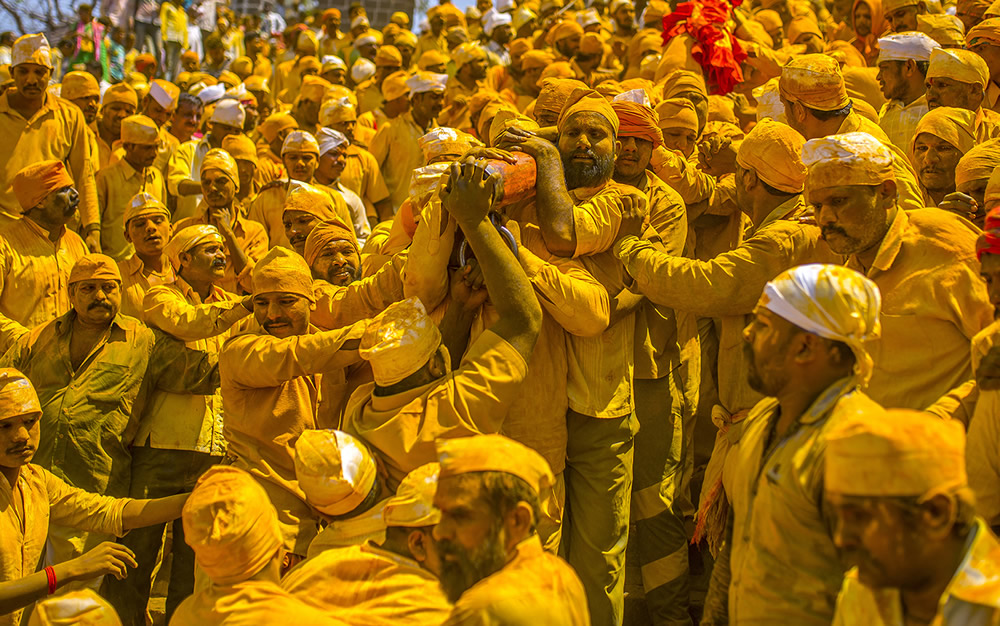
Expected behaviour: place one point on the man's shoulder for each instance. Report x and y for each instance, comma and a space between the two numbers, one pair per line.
935, 228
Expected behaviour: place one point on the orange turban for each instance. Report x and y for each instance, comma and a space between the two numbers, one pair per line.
815, 81
231, 525
588, 101
638, 120
399, 341
950, 124
17, 395
773, 151
683, 81
554, 94
94, 267
848, 159
35, 182
326, 233
283, 271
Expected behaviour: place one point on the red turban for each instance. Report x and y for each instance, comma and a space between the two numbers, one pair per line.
35, 182
989, 241
637, 120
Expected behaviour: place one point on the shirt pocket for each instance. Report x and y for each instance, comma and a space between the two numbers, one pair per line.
111, 387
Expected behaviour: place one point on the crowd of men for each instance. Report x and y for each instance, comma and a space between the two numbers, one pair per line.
455, 324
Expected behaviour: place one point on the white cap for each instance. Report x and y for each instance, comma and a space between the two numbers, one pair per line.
330, 139
358, 21
210, 94
165, 94
31, 49
228, 112
422, 82
362, 70
906, 46
638, 96
503, 6
588, 17
492, 19
848, 147
364, 40
333, 61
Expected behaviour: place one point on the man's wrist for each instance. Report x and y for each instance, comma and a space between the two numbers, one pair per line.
90, 228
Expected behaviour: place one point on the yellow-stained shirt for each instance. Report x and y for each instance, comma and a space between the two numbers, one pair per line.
34, 277
136, 281
533, 587
899, 121
682, 174
268, 207
907, 187
362, 176
428, 41
57, 131
784, 566
471, 400
184, 421
251, 238
108, 393
972, 597
116, 184
249, 603
397, 153
933, 304
982, 452
269, 395
372, 584
345, 532
26, 508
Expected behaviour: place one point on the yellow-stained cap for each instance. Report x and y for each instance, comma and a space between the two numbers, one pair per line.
83, 608
413, 504
31, 49
241, 148
847, 159
399, 341
120, 92
815, 81
144, 204
94, 267
189, 237
963, 66
388, 56
17, 394
140, 129
283, 271
218, 159
495, 453
335, 470
773, 151
275, 123
300, 141
164, 93
79, 85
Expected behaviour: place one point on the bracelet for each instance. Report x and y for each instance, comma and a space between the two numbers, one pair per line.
50, 573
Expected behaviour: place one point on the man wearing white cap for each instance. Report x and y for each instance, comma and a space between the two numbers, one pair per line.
57, 132
395, 147
183, 179
393, 579
809, 340
902, 67
332, 159
498, 30
334, 70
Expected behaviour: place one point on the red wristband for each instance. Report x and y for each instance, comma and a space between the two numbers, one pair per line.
51, 575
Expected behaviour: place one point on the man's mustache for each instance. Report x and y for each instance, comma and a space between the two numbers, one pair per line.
99, 305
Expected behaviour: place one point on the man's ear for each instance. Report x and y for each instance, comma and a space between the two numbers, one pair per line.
416, 542
518, 524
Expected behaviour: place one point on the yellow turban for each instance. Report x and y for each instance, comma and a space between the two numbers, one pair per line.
440, 142
300, 141
83, 608
944, 29
283, 271
32, 49
898, 453
144, 204
554, 94
307, 43
979, 162
140, 129
241, 148
229, 79
337, 110
534, 59
564, 30
308, 199
848, 159
79, 85
588, 101
394, 86
275, 123
313, 88
467, 53
340, 92
431, 58
963, 66
833, 302
406, 38
218, 159
987, 31
120, 92
560, 69
815, 81
94, 267
188, 238
242, 66
413, 504
231, 525
683, 81
256, 83
956, 126
399, 341
388, 56
326, 233
335, 471
17, 395
802, 26
677, 113
35, 182
495, 453
424, 82
774, 152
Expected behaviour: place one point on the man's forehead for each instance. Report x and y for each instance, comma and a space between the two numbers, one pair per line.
587, 120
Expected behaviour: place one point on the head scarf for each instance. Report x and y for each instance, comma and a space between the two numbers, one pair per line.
833, 302
231, 525
773, 151
218, 159
848, 159
399, 341
815, 81
94, 267
17, 395
638, 120
979, 162
335, 470
956, 126
326, 233
283, 271
588, 101
188, 238
84, 608
144, 204
963, 66
896, 453
35, 182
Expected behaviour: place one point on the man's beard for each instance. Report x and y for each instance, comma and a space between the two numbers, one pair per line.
461, 569
588, 174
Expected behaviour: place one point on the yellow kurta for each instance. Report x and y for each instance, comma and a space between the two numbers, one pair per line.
397, 152
972, 598
268, 207
34, 276
362, 176
116, 184
269, 394
136, 282
249, 603
899, 121
251, 238
185, 164
57, 131
471, 400
25, 511
933, 304
373, 584
784, 566
534, 587
185, 421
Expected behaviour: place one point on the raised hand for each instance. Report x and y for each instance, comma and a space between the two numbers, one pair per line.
107, 558
470, 190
